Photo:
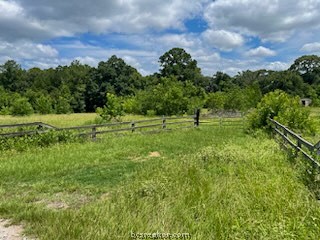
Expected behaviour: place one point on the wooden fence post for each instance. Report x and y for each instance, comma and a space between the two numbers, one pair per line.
94, 134
197, 118
163, 122
133, 125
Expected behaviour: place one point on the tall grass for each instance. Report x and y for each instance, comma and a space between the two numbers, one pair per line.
212, 182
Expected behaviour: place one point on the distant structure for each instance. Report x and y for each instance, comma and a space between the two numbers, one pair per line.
306, 101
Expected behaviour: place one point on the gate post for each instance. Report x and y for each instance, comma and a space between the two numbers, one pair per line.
197, 117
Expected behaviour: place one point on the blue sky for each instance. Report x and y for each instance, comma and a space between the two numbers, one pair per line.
222, 35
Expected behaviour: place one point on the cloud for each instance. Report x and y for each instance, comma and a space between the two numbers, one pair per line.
177, 40
311, 47
261, 52
44, 19
27, 50
222, 39
270, 20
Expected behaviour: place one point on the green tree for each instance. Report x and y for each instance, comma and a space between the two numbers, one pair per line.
62, 105
287, 81
306, 63
20, 106
281, 107
12, 77
177, 62
308, 66
113, 108
113, 76
216, 100
220, 82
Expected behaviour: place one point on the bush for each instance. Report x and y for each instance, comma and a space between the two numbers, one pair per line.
131, 105
112, 110
43, 104
37, 140
62, 106
21, 107
283, 108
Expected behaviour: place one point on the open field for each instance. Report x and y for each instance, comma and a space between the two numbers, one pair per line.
61, 120
212, 182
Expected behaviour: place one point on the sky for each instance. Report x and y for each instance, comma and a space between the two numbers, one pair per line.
222, 35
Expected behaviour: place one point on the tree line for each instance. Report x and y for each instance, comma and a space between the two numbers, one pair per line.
177, 88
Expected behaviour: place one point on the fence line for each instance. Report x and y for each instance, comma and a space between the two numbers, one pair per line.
96, 129
223, 118
308, 150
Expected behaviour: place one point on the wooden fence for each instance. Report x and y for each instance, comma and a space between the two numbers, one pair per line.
310, 151
93, 130
223, 118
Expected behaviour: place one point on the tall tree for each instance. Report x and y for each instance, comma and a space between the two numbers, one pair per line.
177, 62
113, 76
12, 76
308, 66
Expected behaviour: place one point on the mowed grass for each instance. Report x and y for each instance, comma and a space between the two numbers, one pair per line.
212, 182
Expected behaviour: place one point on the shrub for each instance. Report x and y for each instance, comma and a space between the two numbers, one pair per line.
131, 105
281, 107
112, 110
37, 140
62, 106
43, 104
21, 106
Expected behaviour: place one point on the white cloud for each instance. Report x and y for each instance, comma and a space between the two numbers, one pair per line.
177, 40
277, 66
10, 9
43, 19
261, 52
271, 20
222, 39
311, 47
27, 50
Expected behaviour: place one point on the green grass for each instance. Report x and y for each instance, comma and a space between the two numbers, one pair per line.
62, 120
58, 120
213, 182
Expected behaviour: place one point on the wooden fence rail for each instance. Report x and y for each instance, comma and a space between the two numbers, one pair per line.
94, 130
309, 151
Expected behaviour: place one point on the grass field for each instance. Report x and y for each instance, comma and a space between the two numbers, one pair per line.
61, 120
212, 182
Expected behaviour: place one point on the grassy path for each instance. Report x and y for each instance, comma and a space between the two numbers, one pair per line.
213, 183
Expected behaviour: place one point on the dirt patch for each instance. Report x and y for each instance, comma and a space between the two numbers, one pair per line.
13, 232
154, 154
144, 158
105, 196
62, 200
57, 205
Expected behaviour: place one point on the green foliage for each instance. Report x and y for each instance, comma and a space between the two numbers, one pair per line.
37, 140
21, 106
44, 104
177, 62
113, 108
306, 63
235, 99
281, 107
81, 88
62, 106
170, 97
131, 105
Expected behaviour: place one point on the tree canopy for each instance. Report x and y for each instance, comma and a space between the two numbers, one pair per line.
177, 88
